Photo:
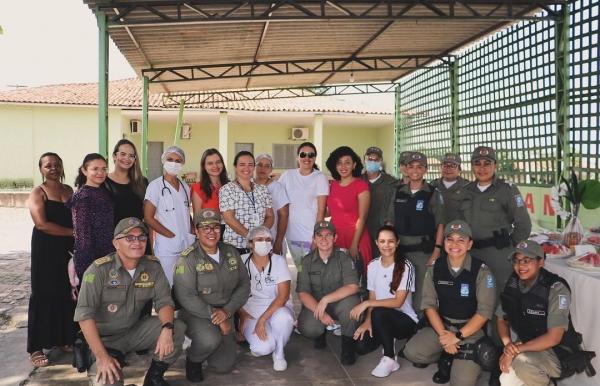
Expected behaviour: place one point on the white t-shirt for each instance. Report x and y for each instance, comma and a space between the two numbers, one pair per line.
379, 279
173, 212
263, 294
279, 199
302, 191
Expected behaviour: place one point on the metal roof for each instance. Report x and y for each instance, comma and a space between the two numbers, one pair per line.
197, 45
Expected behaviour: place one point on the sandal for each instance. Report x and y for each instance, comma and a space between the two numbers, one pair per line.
38, 359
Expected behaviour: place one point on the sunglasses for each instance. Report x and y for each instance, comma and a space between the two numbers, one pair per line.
309, 155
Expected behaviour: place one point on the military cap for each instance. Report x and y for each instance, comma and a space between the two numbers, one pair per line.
374, 150
458, 226
483, 152
451, 158
127, 224
529, 248
405, 157
323, 225
419, 157
207, 216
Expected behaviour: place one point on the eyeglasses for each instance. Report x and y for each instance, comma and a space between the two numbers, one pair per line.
309, 155
449, 166
125, 155
524, 261
207, 229
132, 238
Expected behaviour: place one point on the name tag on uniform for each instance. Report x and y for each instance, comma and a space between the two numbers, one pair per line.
315, 273
464, 290
145, 284
444, 282
118, 286
402, 200
536, 312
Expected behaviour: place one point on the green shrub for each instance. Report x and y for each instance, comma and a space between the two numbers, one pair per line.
16, 183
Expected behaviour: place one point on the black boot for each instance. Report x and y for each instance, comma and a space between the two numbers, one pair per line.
154, 376
494, 377
193, 371
444, 366
348, 351
321, 341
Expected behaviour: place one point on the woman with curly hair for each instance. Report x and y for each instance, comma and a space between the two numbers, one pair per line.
348, 203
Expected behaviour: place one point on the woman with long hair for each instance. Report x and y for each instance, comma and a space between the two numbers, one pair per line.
51, 309
213, 175
93, 213
348, 204
244, 204
126, 183
389, 311
307, 189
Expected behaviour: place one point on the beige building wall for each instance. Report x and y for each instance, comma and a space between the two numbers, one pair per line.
16, 131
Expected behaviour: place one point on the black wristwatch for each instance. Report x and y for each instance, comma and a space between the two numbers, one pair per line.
168, 325
439, 246
459, 335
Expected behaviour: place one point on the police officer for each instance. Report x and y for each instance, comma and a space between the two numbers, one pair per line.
452, 187
113, 293
211, 284
416, 211
403, 161
459, 292
535, 305
496, 213
327, 288
382, 187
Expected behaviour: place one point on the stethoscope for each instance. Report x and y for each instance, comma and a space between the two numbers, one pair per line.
258, 277
162, 193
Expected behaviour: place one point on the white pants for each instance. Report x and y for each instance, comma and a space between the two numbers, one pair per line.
279, 328
168, 262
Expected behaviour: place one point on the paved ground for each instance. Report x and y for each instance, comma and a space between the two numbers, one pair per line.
306, 365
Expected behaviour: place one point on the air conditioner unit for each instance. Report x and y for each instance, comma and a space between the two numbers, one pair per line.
135, 126
299, 133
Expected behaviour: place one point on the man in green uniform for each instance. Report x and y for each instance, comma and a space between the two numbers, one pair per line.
211, 284
535, 305
496, 213
452, 187
113, 293
382, 187
459, 293
403, 161
327, 288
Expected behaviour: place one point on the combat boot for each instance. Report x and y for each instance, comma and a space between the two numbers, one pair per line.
193, 371
348, 356
444, 366
154, 376
320, 342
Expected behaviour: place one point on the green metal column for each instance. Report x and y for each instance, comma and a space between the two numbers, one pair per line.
454, 109
397, 129
177, 138
144, 144
561, 55
102, 82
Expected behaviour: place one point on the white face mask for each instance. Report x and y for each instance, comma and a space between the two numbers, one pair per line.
172, 168
262, 248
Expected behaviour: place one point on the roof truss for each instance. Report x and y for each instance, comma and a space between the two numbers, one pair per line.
174, 12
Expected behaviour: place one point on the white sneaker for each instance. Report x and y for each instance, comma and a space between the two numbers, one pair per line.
254, 354
279, 364
385, 367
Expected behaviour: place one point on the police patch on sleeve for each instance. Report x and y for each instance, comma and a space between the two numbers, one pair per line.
180, 270
563, 302
89, 277
489, 281
519, 201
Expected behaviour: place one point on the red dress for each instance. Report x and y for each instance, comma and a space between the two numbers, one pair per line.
343, 207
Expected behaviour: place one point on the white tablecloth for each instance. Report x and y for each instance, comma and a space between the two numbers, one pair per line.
585, 313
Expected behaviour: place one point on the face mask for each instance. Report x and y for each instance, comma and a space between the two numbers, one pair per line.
172, 168
262, 248
373, 166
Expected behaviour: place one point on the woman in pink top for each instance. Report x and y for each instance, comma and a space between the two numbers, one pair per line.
348, 203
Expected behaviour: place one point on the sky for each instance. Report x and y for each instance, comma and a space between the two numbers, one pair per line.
52, 42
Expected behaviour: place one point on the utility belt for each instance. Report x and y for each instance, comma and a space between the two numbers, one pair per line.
83, 357
426, 245
501, 239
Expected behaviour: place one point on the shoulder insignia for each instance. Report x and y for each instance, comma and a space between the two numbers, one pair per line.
102, 260
556, 285
188, 250
153, 258
89, 277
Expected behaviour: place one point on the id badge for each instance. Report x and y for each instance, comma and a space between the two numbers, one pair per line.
256, 219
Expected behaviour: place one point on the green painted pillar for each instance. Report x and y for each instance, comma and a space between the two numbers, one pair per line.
102, 82
144, 144
454, 108
397, 129
177, 138
561, 55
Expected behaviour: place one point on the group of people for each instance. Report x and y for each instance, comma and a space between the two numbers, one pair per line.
443, 252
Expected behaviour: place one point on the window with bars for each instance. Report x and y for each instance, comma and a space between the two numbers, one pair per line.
284, 156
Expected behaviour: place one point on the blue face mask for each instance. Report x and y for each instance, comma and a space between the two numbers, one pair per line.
373, 166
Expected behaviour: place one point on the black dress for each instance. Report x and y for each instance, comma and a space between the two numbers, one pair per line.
50, 305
